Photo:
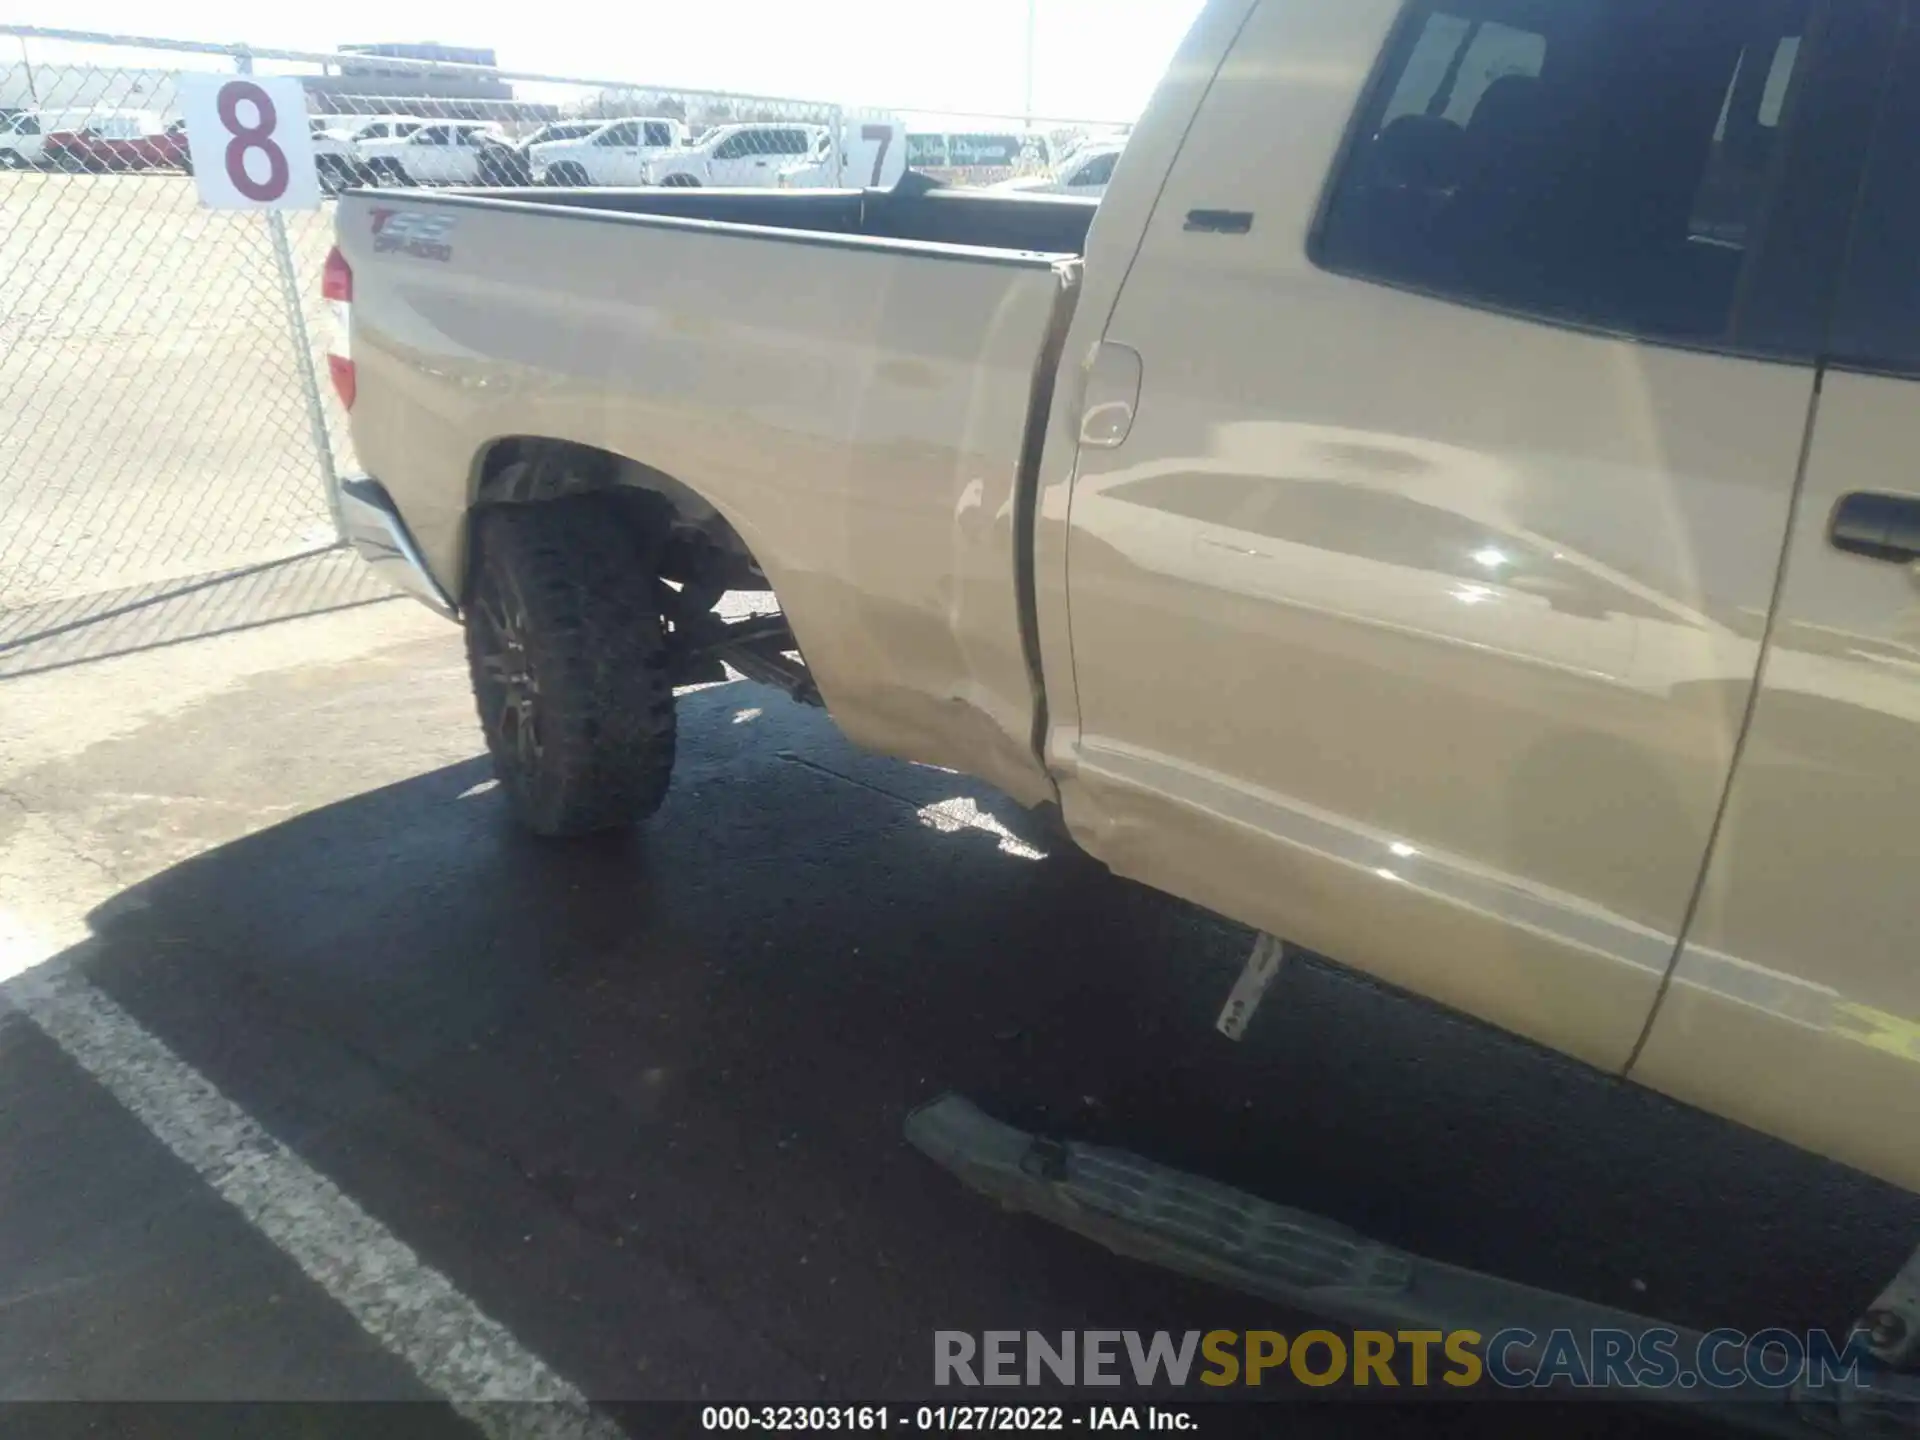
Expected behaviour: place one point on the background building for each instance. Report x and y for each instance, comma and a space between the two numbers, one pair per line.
364, 84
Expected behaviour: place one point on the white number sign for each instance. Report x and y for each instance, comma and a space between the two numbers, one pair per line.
248, 137
876, 154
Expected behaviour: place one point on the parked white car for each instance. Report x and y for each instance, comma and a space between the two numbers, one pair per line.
873, 155
1085, 172
617, 153
739, 155
23, 138
436, 153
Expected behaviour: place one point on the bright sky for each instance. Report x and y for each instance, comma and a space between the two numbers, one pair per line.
1097, 59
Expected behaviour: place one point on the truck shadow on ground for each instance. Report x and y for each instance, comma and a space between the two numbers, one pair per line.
642, 1097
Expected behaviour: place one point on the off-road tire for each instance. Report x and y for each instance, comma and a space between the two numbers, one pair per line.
584, 740
569, 173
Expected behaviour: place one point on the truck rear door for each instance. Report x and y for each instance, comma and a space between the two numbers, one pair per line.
1416, 617
1796, 1002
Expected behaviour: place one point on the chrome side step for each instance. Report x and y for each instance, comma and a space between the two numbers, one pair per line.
1153, 1213
1199, 1227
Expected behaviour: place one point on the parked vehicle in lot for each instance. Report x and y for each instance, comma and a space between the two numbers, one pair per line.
977, 157
559, 130
377, 128
1086, 172
453, 152
736, 156
23, 141
109, 140
334, 157
618, 152
939, 150
1473, 539
171, 146
340, 141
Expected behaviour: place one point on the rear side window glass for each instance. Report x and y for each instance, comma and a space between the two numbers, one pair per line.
1606, 162
1877, 320
1455, 60
659, 135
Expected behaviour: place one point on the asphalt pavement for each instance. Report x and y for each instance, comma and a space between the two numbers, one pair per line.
640, 1100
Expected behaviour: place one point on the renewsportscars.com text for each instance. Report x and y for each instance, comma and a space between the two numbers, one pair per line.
1656, 1358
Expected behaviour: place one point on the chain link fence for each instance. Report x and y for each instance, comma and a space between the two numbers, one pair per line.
160, 415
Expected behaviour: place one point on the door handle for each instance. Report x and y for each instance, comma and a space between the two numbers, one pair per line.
1220, 222
1880, 527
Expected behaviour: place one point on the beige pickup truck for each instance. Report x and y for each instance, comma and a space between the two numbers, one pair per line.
1454, 505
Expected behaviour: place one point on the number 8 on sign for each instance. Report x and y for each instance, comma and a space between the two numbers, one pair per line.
249, 137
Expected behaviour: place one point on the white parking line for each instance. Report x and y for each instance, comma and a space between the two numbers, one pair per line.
402, 1302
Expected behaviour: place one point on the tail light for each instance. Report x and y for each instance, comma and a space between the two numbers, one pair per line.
336, 284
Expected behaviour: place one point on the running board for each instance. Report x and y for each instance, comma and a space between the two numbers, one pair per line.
1151, 1212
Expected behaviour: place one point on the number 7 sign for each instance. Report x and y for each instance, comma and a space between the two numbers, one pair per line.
249, 141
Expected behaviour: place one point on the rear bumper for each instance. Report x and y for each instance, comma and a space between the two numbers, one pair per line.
370, 523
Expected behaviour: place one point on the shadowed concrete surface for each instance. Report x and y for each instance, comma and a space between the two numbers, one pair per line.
641, 1098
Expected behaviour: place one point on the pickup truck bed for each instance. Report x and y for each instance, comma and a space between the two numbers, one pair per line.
1041, 224
837, 385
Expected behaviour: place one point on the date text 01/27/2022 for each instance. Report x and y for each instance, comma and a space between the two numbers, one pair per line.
935, 1418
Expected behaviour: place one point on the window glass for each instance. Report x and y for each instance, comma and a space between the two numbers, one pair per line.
734, 146
659, 134
1877, 323
1097, 171
1603, 161
431, 135
619, 135
1455, 60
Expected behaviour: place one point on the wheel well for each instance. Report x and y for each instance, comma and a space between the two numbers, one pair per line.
682, 182
682, 535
